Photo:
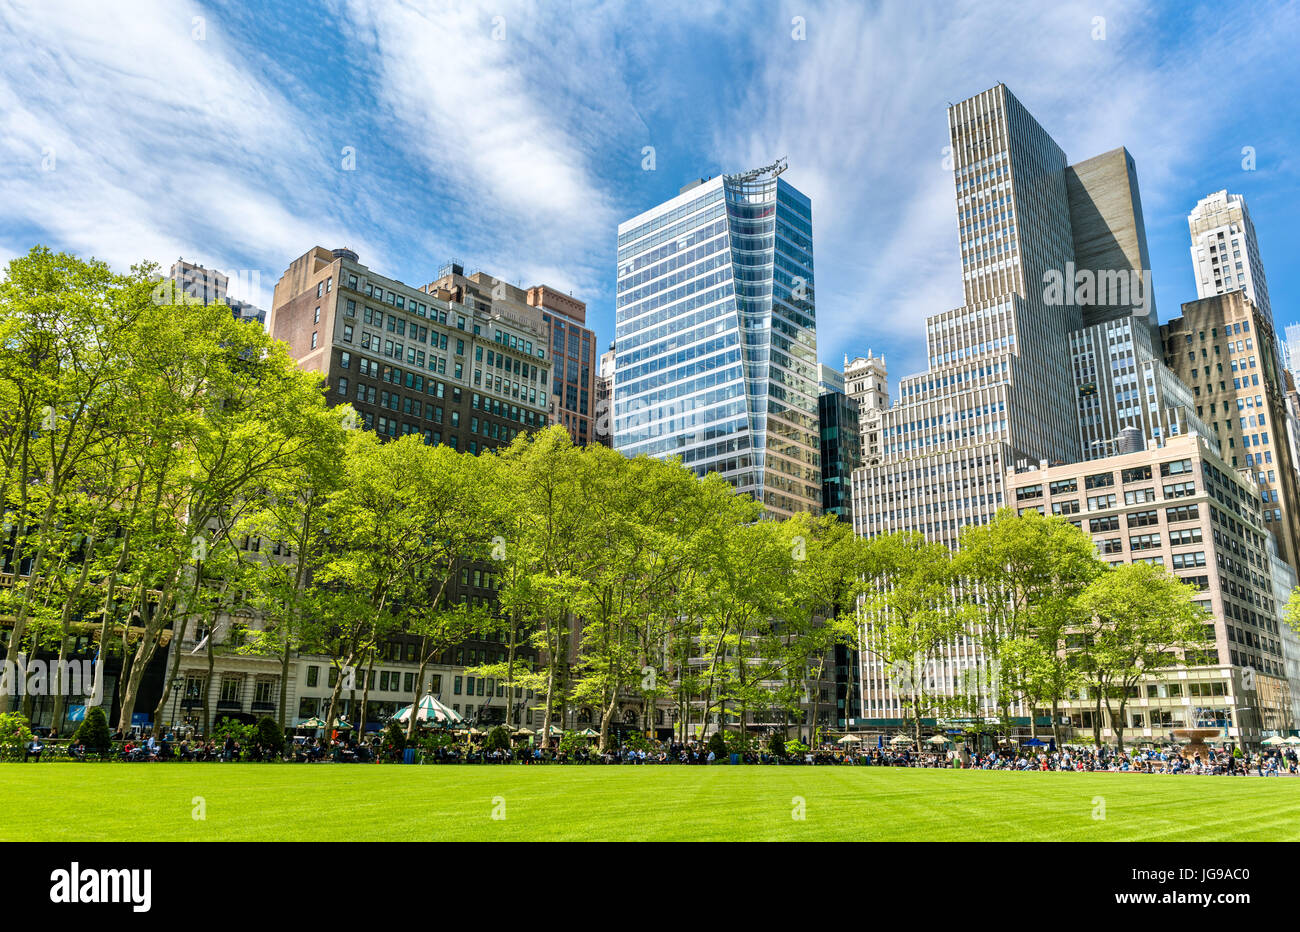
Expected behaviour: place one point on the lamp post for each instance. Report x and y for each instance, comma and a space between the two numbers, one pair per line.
178, 682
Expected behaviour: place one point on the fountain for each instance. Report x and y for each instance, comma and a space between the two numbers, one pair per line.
1195, 738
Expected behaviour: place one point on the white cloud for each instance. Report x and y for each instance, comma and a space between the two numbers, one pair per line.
135, 130
497, 104
859, 108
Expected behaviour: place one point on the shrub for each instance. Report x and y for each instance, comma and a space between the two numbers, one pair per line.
230, 727
432, 740
776, 744
739, 743
498, 739
270, 736
796, 747
93, 731
15, 734
395, 738
718, 744
636, 741
571, 743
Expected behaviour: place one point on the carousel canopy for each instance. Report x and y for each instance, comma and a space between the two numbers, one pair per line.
430, 711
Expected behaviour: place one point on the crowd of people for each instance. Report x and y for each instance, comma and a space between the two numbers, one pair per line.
1222, 761
375, 748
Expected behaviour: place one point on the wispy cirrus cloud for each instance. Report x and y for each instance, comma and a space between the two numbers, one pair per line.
513, 134
136, 130
859, 107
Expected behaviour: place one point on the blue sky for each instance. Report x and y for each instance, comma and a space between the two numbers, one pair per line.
511, 135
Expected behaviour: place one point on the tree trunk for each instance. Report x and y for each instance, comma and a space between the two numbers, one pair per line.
152, 624
417, 693
365, 695
33, 575
178, 639
334, 697
284, 684
208, 723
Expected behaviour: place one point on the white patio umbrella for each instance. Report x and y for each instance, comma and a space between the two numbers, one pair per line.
850, 739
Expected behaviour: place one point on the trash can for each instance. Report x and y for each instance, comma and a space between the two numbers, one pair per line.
408, 756
735, 758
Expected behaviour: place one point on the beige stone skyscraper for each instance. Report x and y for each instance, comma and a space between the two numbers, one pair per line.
1225, 252
866, 381
1225, 349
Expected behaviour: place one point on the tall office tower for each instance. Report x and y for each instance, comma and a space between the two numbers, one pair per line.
1053, 350
1110, 240
602, 425
999, 388
841, 443
1225, 349
1183, 507
716, 337
1225, 252
573, 362
210, 287
866, 381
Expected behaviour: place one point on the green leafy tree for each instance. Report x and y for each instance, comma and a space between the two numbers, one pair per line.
1137, 619
1021, 574
911, 615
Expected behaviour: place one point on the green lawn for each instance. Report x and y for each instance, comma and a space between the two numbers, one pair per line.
318, 802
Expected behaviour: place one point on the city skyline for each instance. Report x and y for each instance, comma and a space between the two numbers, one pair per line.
516, 164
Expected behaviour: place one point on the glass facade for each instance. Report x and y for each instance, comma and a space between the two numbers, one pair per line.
841, 452
716, 347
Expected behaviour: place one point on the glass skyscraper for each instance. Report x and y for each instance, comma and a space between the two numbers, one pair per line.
715, 337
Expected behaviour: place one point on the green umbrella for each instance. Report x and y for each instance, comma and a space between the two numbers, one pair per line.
430, 711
